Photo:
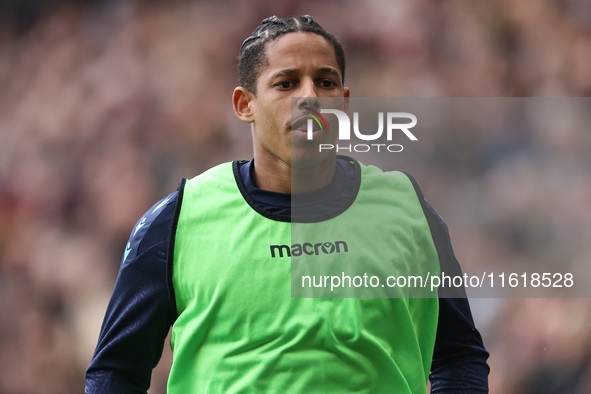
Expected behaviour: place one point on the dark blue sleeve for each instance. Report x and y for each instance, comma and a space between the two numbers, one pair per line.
137, 320
459, 359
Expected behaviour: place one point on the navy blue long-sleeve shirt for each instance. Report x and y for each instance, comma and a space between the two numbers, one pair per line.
139, 314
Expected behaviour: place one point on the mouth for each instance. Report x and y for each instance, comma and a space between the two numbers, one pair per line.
299, 127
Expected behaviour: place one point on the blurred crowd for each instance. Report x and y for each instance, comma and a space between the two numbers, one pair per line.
104, 105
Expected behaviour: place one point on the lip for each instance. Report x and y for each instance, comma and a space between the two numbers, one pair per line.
302, 123
299, 129
302, 134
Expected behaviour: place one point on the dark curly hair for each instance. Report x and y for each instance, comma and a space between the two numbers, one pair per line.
252, 60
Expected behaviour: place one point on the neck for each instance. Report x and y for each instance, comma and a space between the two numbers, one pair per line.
281, 177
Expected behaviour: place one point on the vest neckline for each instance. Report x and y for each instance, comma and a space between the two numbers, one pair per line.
301, 214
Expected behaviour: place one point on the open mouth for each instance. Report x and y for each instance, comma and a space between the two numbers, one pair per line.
302, 124
299, 128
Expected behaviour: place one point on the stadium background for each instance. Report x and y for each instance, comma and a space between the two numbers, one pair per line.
104, 105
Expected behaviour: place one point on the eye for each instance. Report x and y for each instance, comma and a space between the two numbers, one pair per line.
285, 84
327, 83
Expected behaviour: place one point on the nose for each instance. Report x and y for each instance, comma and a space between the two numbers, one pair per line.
308, 98
309, 102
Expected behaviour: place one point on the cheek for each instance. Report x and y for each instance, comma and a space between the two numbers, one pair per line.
273, 116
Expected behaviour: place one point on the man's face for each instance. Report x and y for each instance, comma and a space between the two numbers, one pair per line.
298, 65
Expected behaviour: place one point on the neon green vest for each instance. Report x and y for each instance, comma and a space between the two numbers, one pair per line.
240, 331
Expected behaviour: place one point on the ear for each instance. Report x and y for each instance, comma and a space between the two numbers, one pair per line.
346, 94
241, 100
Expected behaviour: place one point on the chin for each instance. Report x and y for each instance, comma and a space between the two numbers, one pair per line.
310, 158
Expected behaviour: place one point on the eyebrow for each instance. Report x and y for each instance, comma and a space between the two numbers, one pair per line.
330, 70
284, 72
289, 71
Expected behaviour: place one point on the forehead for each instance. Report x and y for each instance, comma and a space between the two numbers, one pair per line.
298, 51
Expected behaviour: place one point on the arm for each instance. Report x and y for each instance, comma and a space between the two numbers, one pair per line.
138, 315
459, 358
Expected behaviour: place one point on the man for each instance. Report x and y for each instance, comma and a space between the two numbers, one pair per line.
213, 260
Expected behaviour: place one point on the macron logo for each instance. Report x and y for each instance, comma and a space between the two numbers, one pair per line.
309, 249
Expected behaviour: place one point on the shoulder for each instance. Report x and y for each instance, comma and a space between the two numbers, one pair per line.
401, 183
152, 229
374, 172
405, 183
155, 225
214, 173
209, 186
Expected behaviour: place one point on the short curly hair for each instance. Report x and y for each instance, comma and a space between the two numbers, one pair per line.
252, 60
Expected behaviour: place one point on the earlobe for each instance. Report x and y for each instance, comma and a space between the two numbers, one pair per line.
241, 100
